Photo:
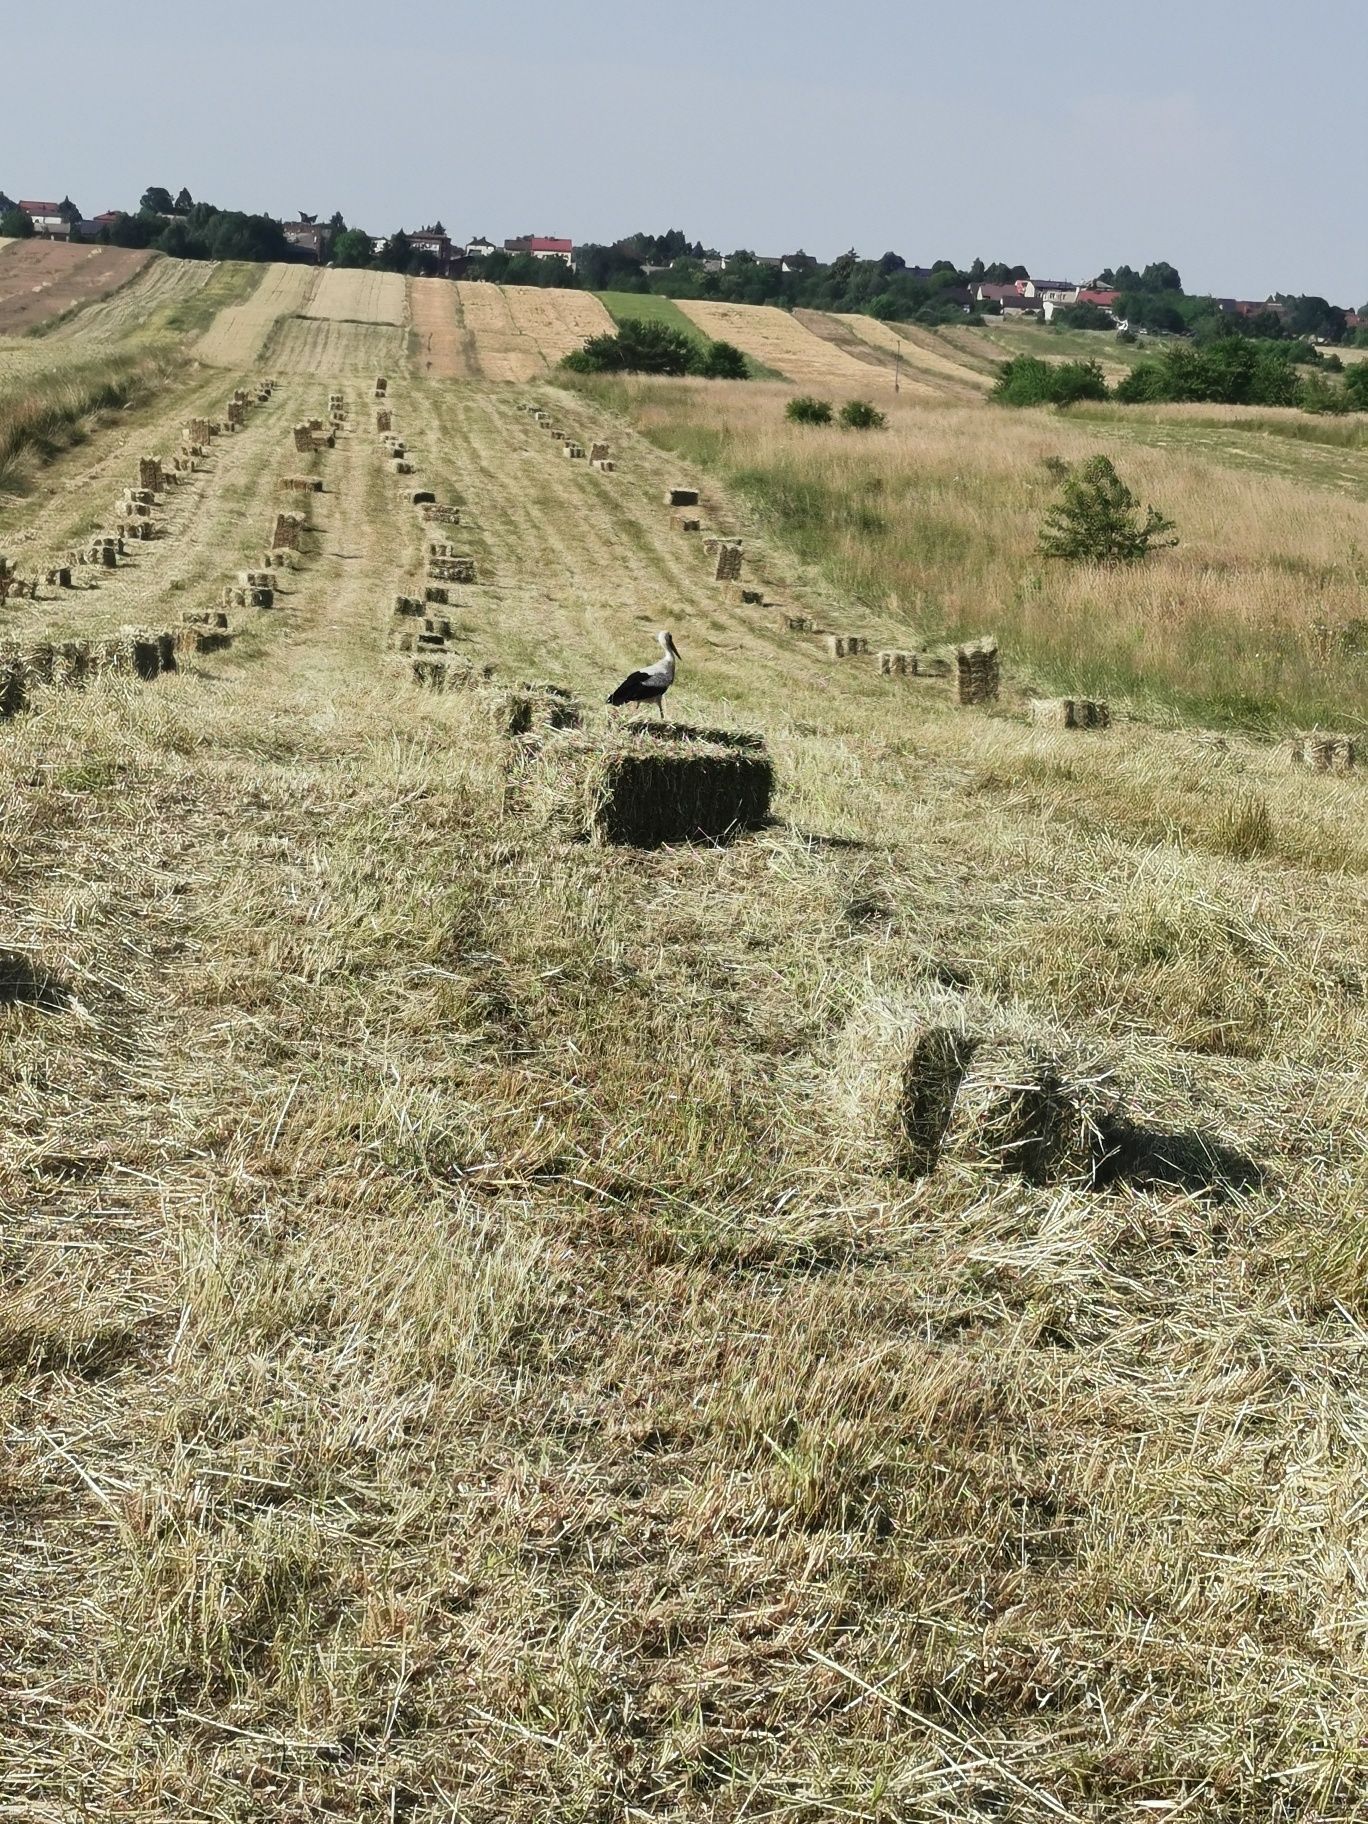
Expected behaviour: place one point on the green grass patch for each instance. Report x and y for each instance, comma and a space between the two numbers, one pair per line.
622, 306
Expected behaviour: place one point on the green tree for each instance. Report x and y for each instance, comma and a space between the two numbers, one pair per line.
156, 201
1356, 386
352, 248
639, 347
184, 202
723, 361
16, 225
1097, 520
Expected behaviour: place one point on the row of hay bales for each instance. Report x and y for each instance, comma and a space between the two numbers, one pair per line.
136, 652
599, 454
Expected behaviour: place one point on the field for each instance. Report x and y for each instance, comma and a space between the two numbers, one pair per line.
776, 341
496, 1327
42, 280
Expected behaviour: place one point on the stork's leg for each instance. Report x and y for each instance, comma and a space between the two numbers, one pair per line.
660, 705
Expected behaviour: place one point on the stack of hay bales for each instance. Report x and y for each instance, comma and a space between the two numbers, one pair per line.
1069, 712
599, 452
235, 416
604, 464
1325, 753
303, 437
896, 664
236, 595
928, 1078
645, 785
446, 516
422, 497
288, 534
978, 672
846, 645
407, 605
573, 450
381, 386
150, 474
384, 420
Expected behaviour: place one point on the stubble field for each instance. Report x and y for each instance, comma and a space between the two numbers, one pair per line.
472, 1344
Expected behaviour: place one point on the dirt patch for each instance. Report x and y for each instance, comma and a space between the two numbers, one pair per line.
40, 280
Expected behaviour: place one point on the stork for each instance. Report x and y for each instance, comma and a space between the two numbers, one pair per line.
650, 685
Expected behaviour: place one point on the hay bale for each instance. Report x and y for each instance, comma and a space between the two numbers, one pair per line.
681, 497
728, 566
745, 596
150, 474
71, 664
1069, 712
599, 452
1325, 753
646, 791
407, 605
452, 569
552, 705
1017, 1110
303, 437
437, 594
573, 450
137, 650
894, 664
401, 467
846, 645
687, 522
604, 465
289, 532
59, 577
384, 421
899, 1063
425, 498
798, 623
444, 516
978, 673
13, 683
381, 386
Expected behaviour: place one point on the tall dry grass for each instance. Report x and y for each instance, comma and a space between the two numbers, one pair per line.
935, 520
47, 413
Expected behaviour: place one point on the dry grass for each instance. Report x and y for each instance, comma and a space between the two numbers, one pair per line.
461, 1353
346, 296
775, 340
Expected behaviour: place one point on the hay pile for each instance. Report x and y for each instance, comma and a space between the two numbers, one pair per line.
846, 645
978, 672
435, 515
452, 569
1069, 712
681, 497
674, 784
728, 566
929, 1078
150, 474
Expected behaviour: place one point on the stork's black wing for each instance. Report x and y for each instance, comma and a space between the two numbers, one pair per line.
634, 688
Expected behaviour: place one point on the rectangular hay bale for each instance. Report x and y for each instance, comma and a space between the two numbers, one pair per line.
681, 497
647, 791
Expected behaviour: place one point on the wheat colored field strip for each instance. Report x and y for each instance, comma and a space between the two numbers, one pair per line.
238, 334
922, 354
345, 296
41, 279
774, 339
501, 349
161, 283
556, 322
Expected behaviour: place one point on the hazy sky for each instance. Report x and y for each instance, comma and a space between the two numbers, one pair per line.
1227, 137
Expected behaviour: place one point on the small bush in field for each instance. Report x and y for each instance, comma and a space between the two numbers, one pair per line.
1098, 520
807, 410
723, 361
860, 415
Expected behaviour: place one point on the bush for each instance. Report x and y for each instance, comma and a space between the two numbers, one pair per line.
1233, 370
723, 361
807, 410
1098, 520
1027, 380
16, 225
1356, 386
640, 346
1083, 316
860, 415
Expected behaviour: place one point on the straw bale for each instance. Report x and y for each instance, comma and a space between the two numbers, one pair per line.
553, 706
452, 569
978, 672
898, 1065
425, 498
599, 452
438, 594
681, 497
407, 604
798, 623
1018, 1110
70, 664
687, 522
1325, 753
439, 547
13, 683
140, 528
289, 532
303, 437
384, 421
401, 467
846, 645
256, 579
745, 595
573, 450
150, 474
381, 385
302, 484
646, 791
1069, 712
444, 516
60, 577
605, 465
893, 664
728, 566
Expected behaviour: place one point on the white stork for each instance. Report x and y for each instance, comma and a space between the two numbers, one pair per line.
650, 685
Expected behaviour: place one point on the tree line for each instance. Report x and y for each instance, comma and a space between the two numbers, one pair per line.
1233, 370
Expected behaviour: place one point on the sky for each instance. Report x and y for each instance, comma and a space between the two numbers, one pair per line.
1067, 136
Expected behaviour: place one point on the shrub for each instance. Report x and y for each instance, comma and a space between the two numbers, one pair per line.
1356, 386
807, 410
1098, 520
640, 346
16, 225
1027, 380
723, 361
1083, 316
1233, 370
860, 415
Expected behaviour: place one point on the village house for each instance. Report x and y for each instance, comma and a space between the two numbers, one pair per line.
479, 248
542, 247
433, 240
308, 237
1053, 291
1011, 300
52, 220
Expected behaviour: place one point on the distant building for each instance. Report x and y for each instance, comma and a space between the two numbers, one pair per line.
1057, 291
308, 237
479, 248
433, 240
90, 229
48, 219
542, 247
797, 262
1011, 300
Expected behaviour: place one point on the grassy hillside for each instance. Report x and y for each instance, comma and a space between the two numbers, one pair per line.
501, 1328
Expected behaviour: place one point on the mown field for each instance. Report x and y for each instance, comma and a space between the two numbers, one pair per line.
474, 1340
